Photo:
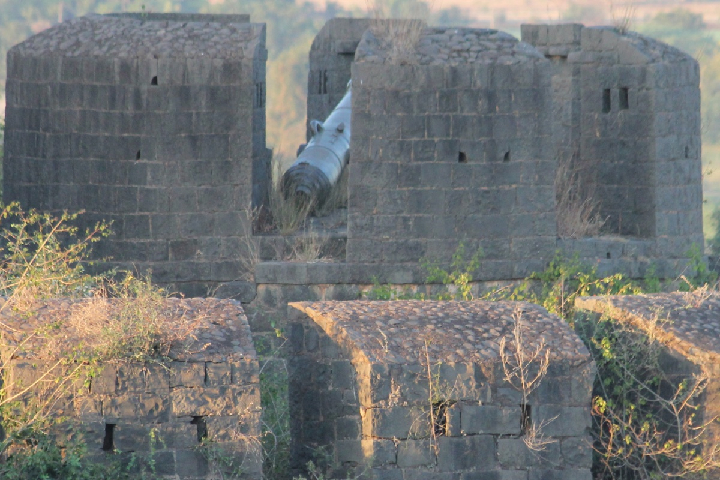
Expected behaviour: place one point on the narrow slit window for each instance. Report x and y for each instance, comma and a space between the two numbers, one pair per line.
526, 418
606, 105
462, 157
624, 98
440, 411
506, 157
154, 80
322, 82
201, 426
108, 442
137, 155
687, 151
259, 95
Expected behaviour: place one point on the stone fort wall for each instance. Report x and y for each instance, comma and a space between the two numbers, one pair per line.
166, 139
462, 145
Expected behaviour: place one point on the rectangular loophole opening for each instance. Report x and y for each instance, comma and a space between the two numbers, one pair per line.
506, 157
462, 157
606, 104
526, 418
108, 442
440, 418
153, 81
322, 82
624, 98
259, 95
201, 426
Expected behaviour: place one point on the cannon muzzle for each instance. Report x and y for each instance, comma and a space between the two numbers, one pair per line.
319, 165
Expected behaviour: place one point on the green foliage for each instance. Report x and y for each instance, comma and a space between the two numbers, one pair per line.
714, 243
44, 256
390, 292
42, 459
697, 273
565, 279
682, 29
275, 439
643, 422
457, 281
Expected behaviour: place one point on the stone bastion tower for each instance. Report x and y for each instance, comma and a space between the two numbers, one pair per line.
153, 121
157, 122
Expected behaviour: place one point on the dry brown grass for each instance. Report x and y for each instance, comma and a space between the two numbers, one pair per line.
337, 198
307, 247
622, 17
288, 215
577, 207
400, 36
131, 320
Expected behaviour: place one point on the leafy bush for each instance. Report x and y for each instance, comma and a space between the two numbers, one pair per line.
44, 257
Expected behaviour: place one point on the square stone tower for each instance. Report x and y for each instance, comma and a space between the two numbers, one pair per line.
627, 112
455, 145
153, 121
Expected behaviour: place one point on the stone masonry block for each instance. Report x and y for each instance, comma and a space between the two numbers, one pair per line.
187, 374
393, 422
225, 400
105, 381
577, 451
466, 453
150, 408
513, 452
486, 419
217, 374
568, 421
566, 474
496, 475
349, 451
382, 452
415, 453
244, 372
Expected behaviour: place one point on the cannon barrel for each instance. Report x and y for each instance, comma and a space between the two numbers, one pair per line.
320, 164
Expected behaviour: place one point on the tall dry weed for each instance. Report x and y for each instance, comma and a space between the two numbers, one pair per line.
399, 35
577, 206
131, 319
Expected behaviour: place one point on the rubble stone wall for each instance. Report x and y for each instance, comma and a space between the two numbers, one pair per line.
155, 411
360, 388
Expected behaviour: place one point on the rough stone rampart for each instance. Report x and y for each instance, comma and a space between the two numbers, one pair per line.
364, 377
688, 326
155, 411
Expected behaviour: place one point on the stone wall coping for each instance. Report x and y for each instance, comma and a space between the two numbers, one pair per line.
446, 46
217, 330
114, 36
686, 322
603, 38
456, 332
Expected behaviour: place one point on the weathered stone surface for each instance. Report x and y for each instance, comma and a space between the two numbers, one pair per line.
440, 409
163, 408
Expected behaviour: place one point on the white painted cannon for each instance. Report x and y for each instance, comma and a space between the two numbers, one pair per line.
320, 163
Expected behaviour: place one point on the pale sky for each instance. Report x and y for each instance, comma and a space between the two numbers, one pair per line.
518, 11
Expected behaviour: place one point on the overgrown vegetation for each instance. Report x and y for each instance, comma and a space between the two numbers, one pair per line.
43, 257
645, 423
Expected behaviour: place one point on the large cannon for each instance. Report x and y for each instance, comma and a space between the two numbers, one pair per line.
320, 163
